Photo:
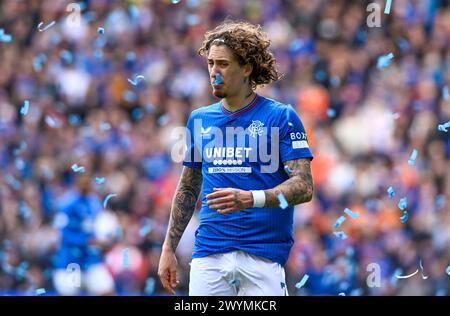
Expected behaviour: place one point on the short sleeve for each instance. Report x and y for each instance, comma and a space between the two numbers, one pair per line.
192, 157
293, 139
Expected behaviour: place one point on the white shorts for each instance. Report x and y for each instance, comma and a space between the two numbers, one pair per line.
96, 280
236, 273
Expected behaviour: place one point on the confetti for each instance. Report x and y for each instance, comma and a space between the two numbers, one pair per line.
38, 62
341, 294
331, 113
447, 270
45, 28
412, 158
146, 228
51, 121
105, 202
350, 213
404, 218
283, 202
99, 180
288, 169
440, 201
403, 203
406, 276
384, 61
421, 268
396, 273
218, 79
445, 93
149, 286
136, 80
105, 126
40, 291
339, 221
5, 38
176, 1
101, 30
302, 282
25, 107
74, 119
391, 192
387, 8
340, 234
125, 257
22, 147
443, 127
77, 168
66, 56
403, 44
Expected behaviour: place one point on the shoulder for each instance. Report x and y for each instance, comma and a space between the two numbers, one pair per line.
205, 110
277, 109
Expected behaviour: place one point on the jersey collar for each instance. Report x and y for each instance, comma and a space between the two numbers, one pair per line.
240, 111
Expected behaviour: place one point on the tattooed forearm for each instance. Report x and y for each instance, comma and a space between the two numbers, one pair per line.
183, 205
297, 189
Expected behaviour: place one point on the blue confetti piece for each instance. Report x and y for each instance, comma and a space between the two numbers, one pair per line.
283, 203
340, 235
40, 291
341, 294
404, 218
288, 169
131, 56
22, 147
5, 38
403, 44
445, 93
391, 192
125, 258
66, 56
77, 168
38, 62
403, 203
412, 158
443, 127
99, 180
105, 201
74, 119
136, 80
218, 79
146, 228
302, 281
339, 221
41, 29
25, 107
19, 163
384, 61
176, 1
440, 201
149, 286
396, 273
387, 8
134, 11
350, 213
51, 121
448, 270
129, 96
101, 30
331, 112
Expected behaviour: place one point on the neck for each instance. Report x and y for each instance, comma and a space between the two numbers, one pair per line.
236, 103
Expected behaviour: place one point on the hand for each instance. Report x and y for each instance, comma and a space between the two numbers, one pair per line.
229, 200
167, 270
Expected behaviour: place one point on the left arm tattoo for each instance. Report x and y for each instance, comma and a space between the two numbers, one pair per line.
297, 189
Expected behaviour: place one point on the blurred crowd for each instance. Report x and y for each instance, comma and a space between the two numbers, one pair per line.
90, 115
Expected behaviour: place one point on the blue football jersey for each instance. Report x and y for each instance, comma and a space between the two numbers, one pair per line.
245, 149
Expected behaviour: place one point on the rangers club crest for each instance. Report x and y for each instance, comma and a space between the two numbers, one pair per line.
255, 128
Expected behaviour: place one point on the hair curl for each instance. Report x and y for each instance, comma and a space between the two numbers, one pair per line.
249, 44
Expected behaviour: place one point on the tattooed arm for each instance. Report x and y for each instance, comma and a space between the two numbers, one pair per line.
183, 206
297, 189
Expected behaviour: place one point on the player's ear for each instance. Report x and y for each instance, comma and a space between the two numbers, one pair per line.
248, 68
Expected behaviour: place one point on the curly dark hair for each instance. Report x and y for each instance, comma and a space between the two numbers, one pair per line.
249, 44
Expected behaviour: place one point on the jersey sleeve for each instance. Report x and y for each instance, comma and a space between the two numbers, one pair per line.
293, 139
192, 157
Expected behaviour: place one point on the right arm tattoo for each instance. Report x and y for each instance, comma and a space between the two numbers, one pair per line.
183, 205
